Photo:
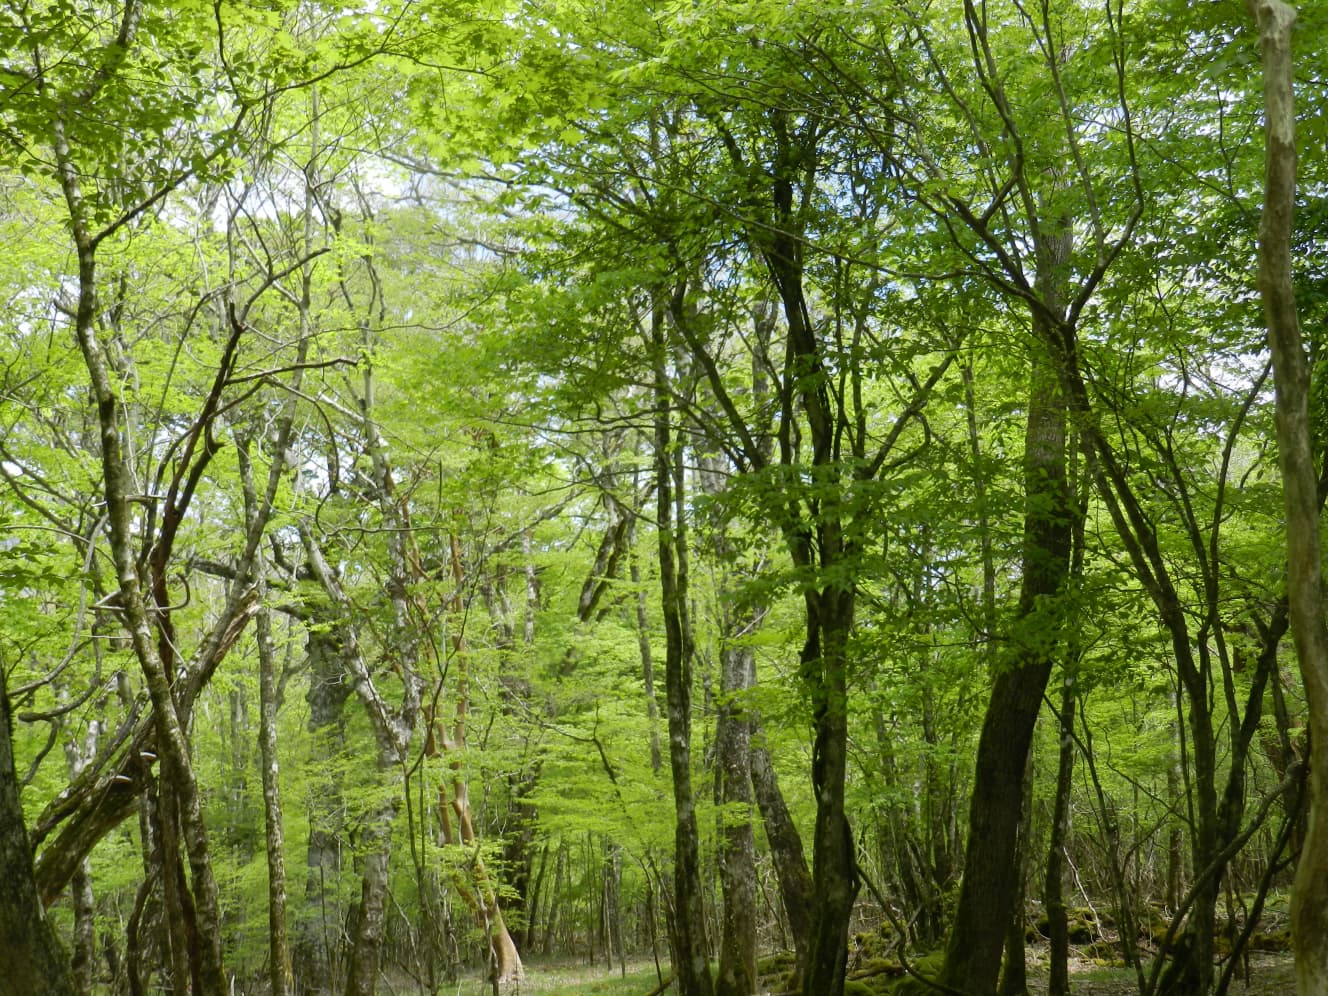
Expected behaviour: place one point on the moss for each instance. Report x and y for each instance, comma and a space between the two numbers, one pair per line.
929, 967
1082, 931
1276, 940
878, 966
780, 961
1102, 949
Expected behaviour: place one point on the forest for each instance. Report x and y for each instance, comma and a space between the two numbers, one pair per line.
712, 496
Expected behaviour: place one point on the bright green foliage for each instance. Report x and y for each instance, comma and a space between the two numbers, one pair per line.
475, 211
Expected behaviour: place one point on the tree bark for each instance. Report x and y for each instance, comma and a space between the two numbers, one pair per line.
786, 852
316, 948
34, 961
693, 966
1053, 894
1305, 586
989, 887
1014, 970
817, 544
366, 941
737, 857
834, 858
279, 954
117, 484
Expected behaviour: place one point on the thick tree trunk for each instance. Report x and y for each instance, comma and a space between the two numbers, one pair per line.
1014, 970
317, 942
366, 942
1305, 586
786, 852
34, 961
989, 887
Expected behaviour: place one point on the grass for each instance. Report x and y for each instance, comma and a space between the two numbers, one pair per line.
575, 979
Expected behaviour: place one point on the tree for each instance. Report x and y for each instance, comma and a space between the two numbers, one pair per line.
1300, 481
39, 963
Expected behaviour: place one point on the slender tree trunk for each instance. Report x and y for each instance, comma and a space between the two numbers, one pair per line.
693, 967
556, 906
1305, 586
279, 954
739, 619
1053, 894
1176, 835
834, 859
84, 955
817, 544
647, 663
478, 890
530, 929
84, 960
117, 485
737, 858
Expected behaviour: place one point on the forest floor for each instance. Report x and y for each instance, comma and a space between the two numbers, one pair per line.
1270, 975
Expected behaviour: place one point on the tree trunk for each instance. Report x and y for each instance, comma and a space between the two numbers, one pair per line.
316, 949
693, 966
817, 544
366, 942
117, 485
477, 889
1053, 894
989, 887
647, 663
786, 852
739, 618
834, 859
84, 956
1305, 587
279, 954
1014, 971
34, 961
737, 855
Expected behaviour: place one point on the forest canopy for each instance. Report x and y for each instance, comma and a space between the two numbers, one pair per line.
748, 495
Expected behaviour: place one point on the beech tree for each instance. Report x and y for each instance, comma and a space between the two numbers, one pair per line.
872, 397
1300, 481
